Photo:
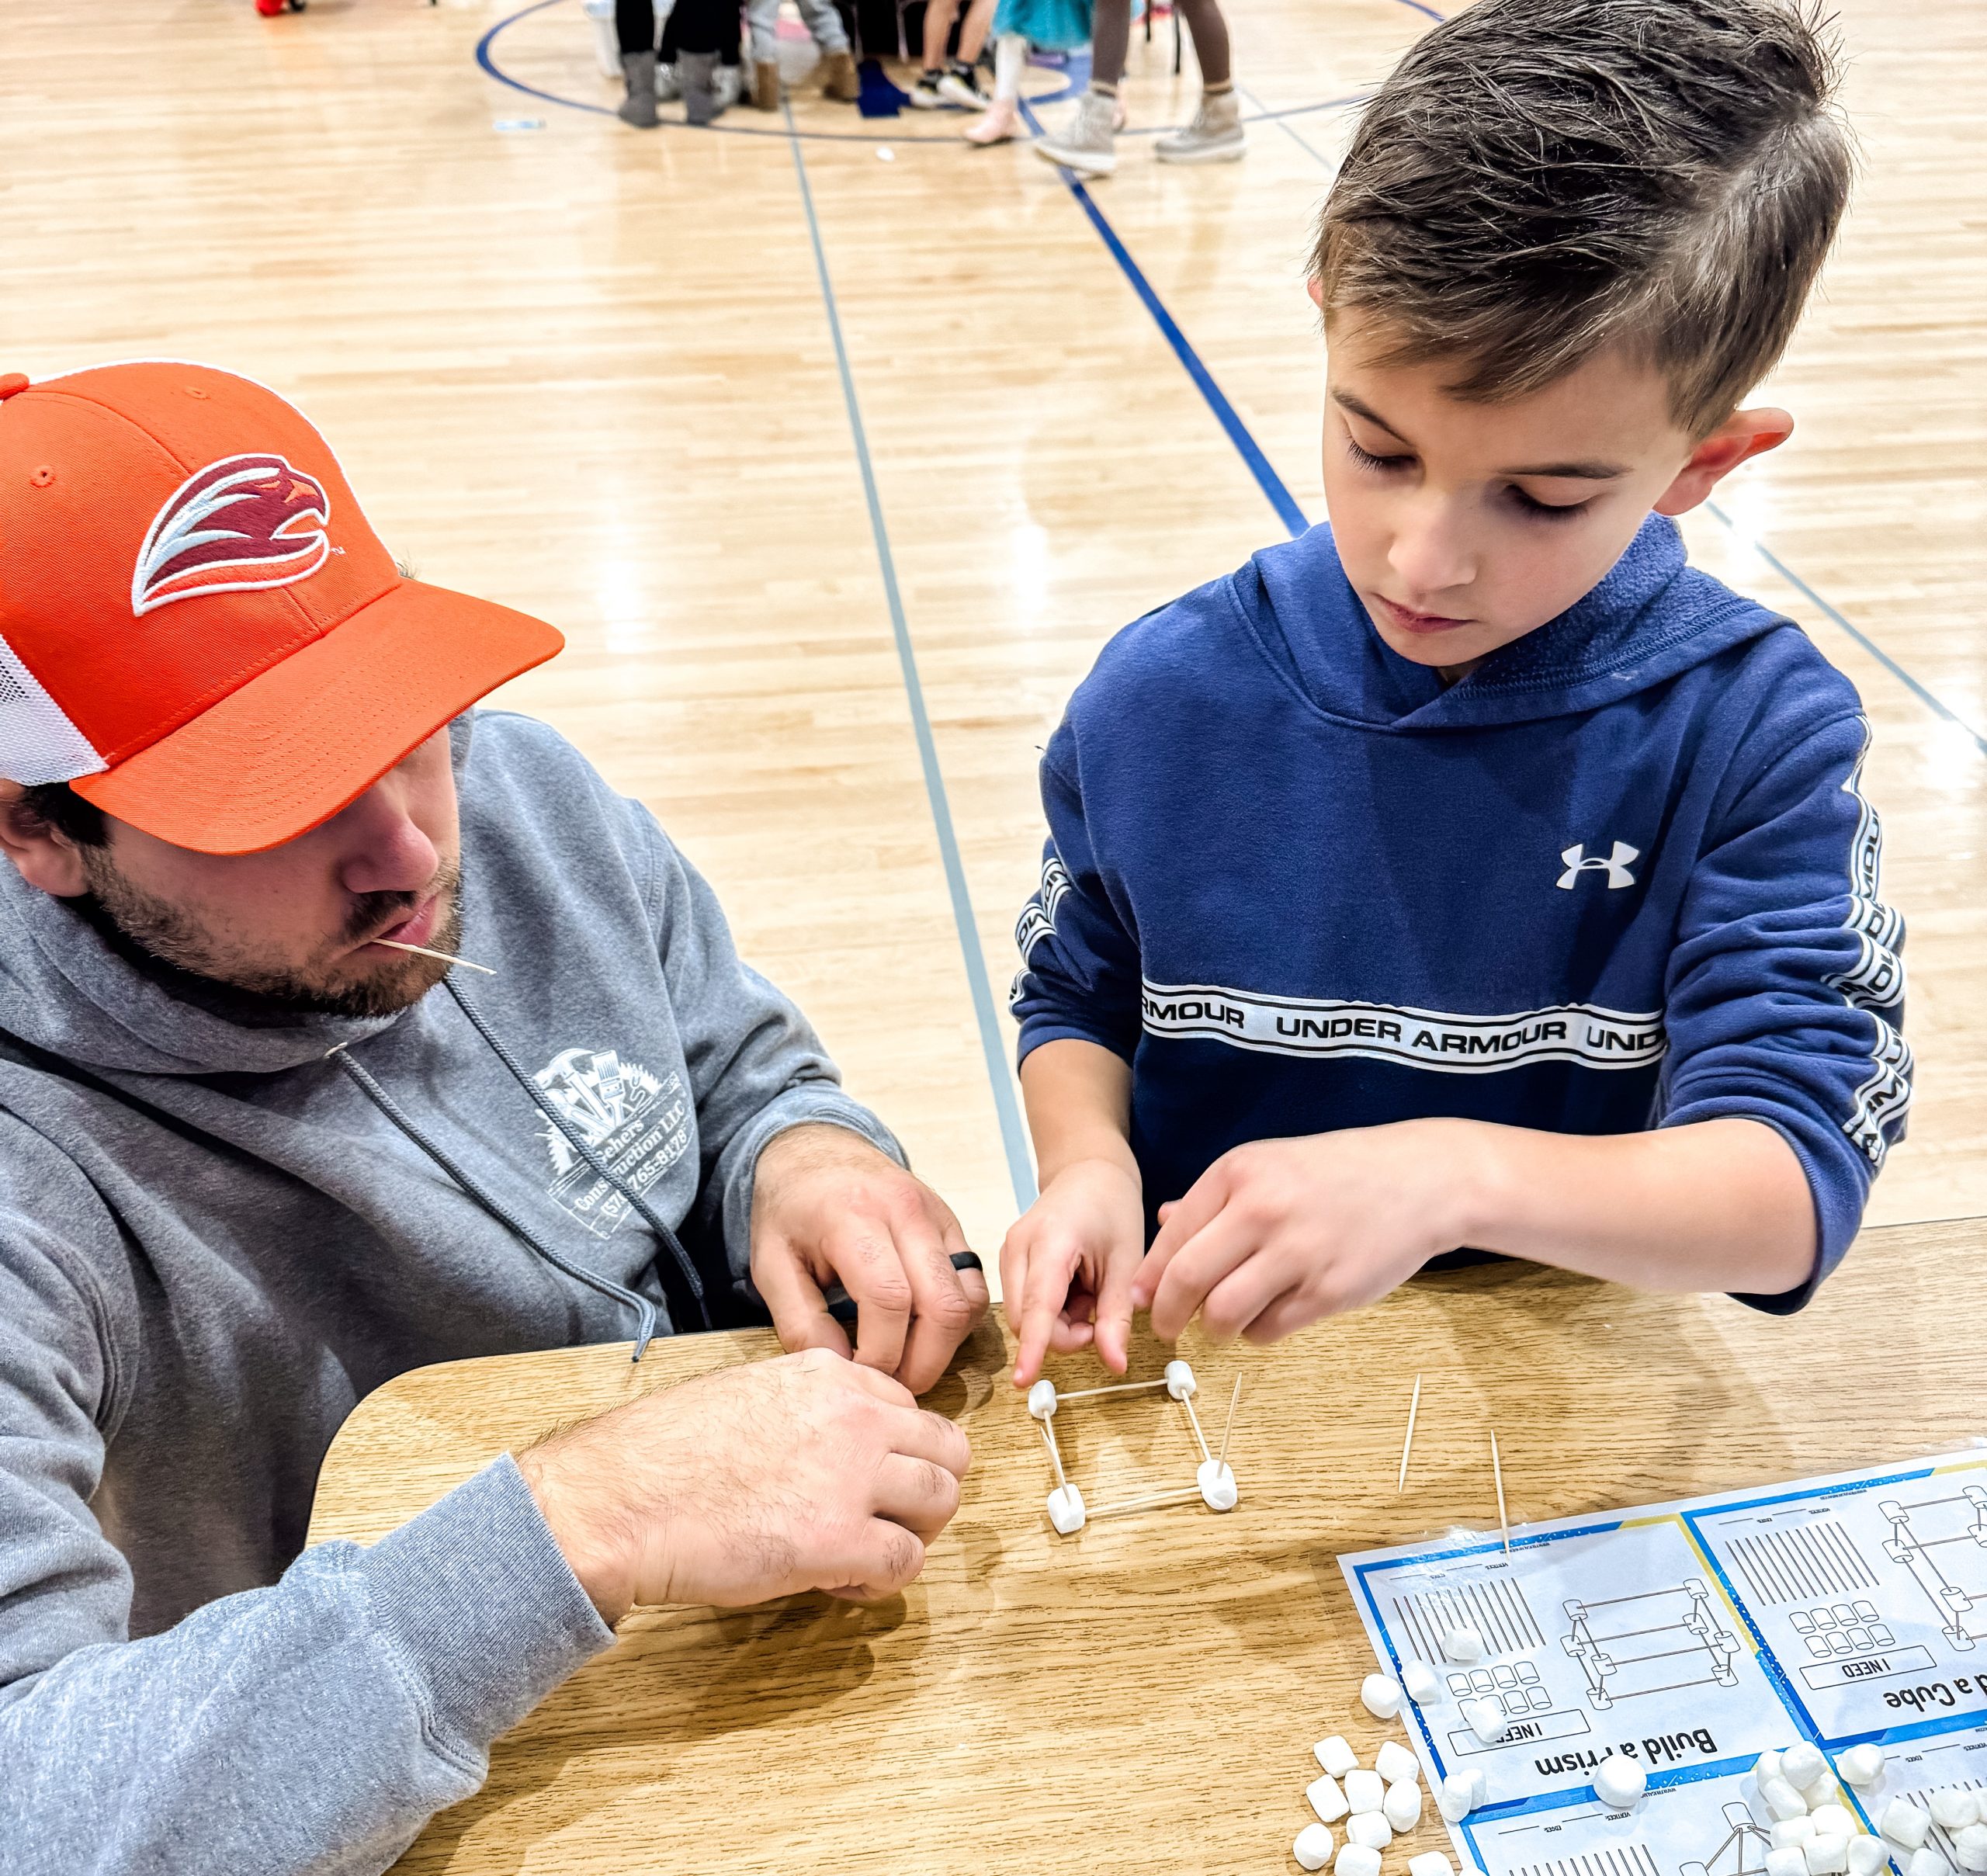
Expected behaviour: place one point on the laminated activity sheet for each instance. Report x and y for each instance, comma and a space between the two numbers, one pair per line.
1691, 1638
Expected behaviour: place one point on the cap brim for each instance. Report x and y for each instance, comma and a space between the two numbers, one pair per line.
291, 747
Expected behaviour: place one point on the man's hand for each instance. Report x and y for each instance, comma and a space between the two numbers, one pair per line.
1067, 1263
1277, 1233
827, 1207
803, 1473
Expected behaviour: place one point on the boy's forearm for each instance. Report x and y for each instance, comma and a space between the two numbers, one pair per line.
1722, 1205
1079, 1099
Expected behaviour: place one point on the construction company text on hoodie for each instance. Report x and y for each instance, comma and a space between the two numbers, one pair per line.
1622, 876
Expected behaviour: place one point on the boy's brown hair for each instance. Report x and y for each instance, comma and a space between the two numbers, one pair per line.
1540, 179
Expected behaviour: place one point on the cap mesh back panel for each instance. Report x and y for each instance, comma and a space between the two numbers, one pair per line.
38, 743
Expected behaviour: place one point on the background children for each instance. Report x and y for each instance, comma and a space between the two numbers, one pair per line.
1472, 872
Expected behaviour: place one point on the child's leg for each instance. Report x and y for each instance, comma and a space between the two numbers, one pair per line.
1002, 118
1087, 146
973, 35
1215, 135
938, 17
634, 25
837, 73
762, 17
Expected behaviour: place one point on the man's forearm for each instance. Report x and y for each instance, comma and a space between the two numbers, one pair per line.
1722, 1204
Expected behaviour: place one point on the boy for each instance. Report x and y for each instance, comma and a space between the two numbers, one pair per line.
1472, 873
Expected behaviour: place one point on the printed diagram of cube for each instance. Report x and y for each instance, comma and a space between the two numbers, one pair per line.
1662, 1639
1743, 1852
1954, 1580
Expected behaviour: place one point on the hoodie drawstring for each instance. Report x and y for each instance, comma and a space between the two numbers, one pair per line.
579, 1143
645, 1312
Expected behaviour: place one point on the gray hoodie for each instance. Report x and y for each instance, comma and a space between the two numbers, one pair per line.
213, 1243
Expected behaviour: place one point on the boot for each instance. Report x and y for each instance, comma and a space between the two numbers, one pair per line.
638, 108
696, 72
765, 84
840, 80
1086, 146
1215, 135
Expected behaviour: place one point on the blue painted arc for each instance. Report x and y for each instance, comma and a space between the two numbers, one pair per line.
1020, 1171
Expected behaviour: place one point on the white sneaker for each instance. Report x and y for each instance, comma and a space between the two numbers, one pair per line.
925, 95
1086, 146
1215, 135
729, 83
959, 86
668, 87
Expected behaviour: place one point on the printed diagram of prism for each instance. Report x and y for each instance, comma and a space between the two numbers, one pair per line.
1954, 1580
1652, 1643
1743, 1852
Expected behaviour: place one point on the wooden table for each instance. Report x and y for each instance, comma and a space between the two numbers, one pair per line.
1143, 1697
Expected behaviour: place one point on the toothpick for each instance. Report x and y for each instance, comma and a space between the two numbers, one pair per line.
1123, 1387
1497, 1471
1407, 1445
1145, 1504
1055, 1451
1194, 1421
446, 958
1230, 1427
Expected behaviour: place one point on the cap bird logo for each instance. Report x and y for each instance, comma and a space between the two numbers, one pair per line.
242, 525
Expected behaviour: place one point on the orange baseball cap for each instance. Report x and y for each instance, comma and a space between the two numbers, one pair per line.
198, 630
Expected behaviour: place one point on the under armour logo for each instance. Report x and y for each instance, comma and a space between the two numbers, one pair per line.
1615, 866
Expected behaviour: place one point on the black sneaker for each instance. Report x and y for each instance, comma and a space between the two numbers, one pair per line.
960, 85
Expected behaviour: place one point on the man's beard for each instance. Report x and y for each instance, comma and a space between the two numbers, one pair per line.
161, 929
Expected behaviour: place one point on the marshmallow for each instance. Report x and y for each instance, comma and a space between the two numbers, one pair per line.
1336, 1756
1327, 1800
1905, 1824
1801, 1765
1430, 1862
1863, 1766
1356, 1860
1795, 1830
1380, 1695
1786, 1859
1832, 1821
1066, 1509
1369, 1828
1464, 1645
1179, 1382
1970, 1846
1866, 1855
1953, 1807
1365, 1791
1926, 1862
1042, 1399
1462, 1793
1766, 1766
1403, 1808
1619, 1783
1424, 1686
1782, 1800
1827, 1855
1313, 1847
1216, 1479
1824, 1791
1395, 1764
1486, 1718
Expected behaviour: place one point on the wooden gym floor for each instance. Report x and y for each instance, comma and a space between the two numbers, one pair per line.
592, 372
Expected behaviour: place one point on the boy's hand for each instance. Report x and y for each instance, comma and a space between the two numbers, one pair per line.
1277, 1233
1067, 1263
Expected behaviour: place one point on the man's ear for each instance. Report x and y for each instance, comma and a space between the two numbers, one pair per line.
1743, 434
41, 856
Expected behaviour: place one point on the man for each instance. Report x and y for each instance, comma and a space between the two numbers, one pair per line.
261, 1148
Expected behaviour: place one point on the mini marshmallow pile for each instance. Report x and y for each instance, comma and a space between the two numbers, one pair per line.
1387, 1800
1959, 1811
1813, 1833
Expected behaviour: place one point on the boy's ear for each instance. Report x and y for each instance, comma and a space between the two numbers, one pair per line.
41, 856
1742, 434
1316, 288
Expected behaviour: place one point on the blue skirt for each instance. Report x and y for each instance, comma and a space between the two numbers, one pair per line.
1055, 25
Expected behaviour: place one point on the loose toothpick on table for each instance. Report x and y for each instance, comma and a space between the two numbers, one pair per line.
1407, 1443
446, 957
1497, 1472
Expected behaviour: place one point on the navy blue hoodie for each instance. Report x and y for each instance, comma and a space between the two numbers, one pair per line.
1621, 876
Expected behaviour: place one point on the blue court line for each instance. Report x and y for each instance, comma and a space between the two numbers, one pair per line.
1295, 521
1012, 1137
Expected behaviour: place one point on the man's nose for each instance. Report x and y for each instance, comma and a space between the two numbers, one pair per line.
385, 850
